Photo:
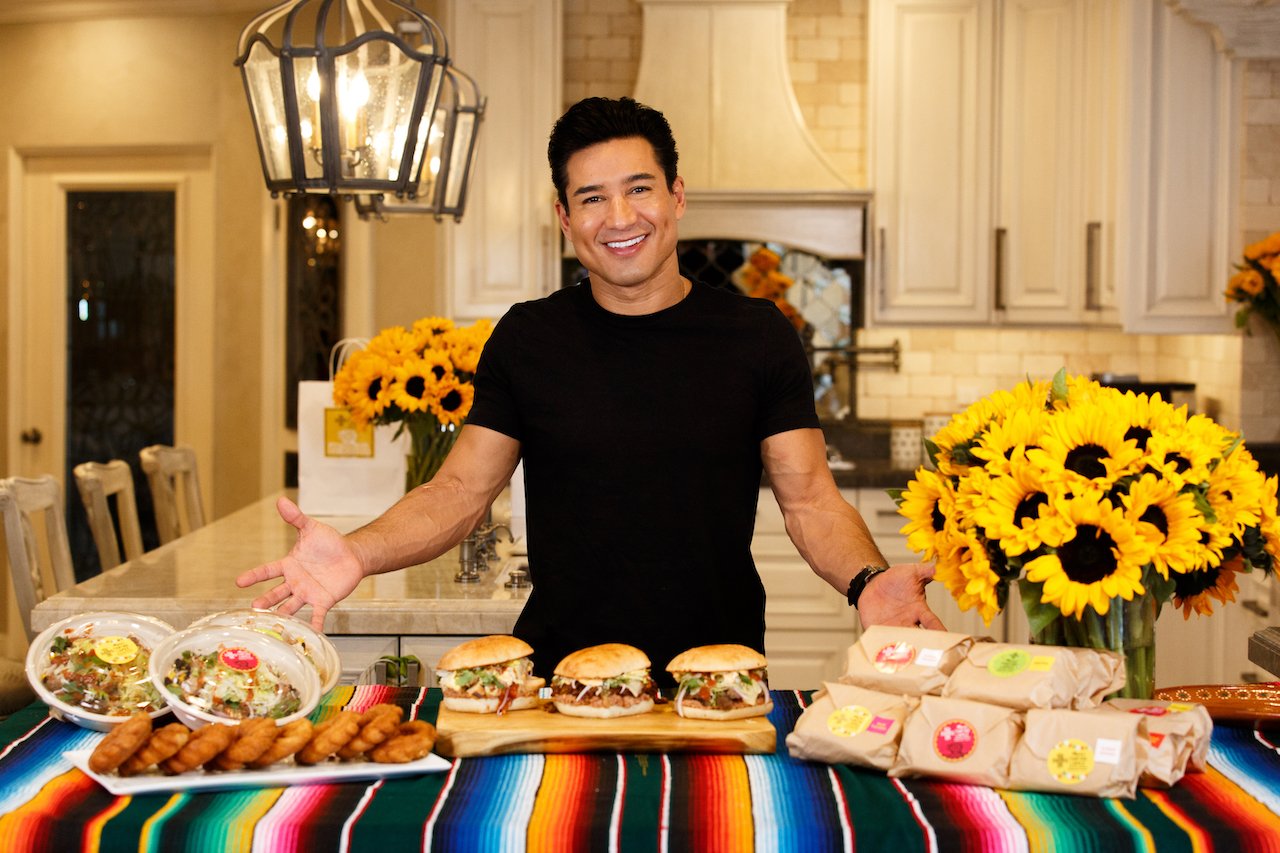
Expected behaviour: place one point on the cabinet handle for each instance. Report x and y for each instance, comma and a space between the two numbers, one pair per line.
1092, 266
882, 272
1001, 233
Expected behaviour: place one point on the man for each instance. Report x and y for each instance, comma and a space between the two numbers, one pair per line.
645, 407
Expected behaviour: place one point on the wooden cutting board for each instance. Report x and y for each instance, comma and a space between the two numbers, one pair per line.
660, 730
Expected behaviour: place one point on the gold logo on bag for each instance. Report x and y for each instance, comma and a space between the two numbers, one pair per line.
344, 438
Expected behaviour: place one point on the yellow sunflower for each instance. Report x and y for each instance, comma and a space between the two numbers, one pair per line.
1184, 455
394, 343
1088, 446
432, 326
366, 389
411, 385
1195, 591
1017, 509
1101, 560
1021, 429
451, 401
1270, 524
927, 502
1168, 520
1148, 415
1235, 492
439, 363
968, 574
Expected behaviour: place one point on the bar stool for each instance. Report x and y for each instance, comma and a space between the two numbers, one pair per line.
22, 500
175, 489
98, 482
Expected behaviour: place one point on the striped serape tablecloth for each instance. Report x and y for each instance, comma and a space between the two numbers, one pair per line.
648, 802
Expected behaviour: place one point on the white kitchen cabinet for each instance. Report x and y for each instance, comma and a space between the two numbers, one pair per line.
1028, 155
504, 249
360, 653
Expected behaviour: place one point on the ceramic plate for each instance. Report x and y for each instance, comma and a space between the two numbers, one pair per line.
1242, 702
275, 777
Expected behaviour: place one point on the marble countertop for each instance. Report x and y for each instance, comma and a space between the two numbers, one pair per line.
195, 576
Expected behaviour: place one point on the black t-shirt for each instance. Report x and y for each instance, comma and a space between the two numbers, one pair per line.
641, 444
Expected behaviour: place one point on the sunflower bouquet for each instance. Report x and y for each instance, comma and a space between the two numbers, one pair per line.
1102, 505
419, 377
1254, 284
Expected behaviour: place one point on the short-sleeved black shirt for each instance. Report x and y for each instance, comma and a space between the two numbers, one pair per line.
641, 444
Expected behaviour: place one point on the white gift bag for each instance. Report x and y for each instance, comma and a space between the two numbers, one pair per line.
345, 469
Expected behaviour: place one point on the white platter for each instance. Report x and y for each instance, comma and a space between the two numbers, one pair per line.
275, 777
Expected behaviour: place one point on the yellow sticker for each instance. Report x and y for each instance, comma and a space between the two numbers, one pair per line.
344, 438
1071, 761
849, 721
1007, 663
115, 650
1041, 663
1177, 707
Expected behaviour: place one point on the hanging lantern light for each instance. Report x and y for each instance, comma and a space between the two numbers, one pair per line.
451, 142
338, 99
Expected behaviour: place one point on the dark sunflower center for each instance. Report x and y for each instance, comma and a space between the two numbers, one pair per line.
1191, 584
375, 387
451, 402
437, 370
1155, 515
1029, 507
939, 520
1140, 435
415, 387
1090, 556
1086, 460
1180, 462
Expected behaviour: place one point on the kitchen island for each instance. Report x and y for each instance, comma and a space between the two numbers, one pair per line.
420, 610
624, 801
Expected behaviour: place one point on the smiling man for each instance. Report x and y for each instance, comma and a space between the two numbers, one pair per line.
645, 407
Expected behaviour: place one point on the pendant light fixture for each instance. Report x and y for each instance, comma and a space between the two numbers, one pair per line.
450, 153
338, 94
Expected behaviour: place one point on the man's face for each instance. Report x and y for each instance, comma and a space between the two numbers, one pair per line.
621, 218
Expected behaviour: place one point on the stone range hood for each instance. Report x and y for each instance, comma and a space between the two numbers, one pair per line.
718, 70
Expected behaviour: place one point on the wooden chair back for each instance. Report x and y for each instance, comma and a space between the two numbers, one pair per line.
175, 489
23, 501
98, 482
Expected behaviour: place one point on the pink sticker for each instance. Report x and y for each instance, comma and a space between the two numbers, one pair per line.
880, 725
1150, 711
955, 740
894, 657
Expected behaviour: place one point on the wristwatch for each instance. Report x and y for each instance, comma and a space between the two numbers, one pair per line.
861, 579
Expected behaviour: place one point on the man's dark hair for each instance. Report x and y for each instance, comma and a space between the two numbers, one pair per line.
594, 120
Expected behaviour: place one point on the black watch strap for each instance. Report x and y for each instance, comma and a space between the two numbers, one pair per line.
860, 581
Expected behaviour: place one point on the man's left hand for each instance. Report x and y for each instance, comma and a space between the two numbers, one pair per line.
896, 597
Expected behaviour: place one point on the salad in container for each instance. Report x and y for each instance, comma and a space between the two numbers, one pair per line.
93, 669
314, 646
218, 674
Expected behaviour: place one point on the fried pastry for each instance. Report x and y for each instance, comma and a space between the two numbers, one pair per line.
253, 737
204, 743
120, 743
376, 725
329, 737
163, 743
289, 740
412, 741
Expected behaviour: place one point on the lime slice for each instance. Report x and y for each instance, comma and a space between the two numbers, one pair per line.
239, 659
115, 650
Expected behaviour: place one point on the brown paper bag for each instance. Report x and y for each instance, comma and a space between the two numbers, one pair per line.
850, 725
1099, 752
958, 740
1032, 676
1178, 733
913, 661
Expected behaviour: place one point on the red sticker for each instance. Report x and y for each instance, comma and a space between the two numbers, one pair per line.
955, 740
1150, 710
241, 659
1156, 738
894, 657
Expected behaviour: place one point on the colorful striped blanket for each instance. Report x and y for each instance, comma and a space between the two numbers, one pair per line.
647, 802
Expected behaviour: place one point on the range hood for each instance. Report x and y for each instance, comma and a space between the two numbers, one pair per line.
718, 70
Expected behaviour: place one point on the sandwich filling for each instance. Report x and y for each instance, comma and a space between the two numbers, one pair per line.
721, 691
505, 680
625, 689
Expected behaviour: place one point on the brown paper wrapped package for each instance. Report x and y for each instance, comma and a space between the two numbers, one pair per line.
1099, 752
850, 725
1031, 676
912, 661
1178, 734
958, 740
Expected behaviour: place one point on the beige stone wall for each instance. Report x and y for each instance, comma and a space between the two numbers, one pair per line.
826, 42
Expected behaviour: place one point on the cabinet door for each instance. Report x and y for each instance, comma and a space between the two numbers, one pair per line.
1040, 235
504, 249
359, 654
1177, 175
931, 116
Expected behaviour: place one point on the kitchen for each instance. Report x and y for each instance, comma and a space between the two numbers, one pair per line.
142, 95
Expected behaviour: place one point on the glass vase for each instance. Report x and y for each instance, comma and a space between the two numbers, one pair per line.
429, 444
1128, 627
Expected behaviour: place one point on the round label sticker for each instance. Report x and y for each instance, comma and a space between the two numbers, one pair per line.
894, 657
1009, 663
1150, 711
955, 740
1070, 762
849, 721
237, 658
115, 650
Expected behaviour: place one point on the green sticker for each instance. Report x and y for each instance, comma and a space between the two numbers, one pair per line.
1009, 663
